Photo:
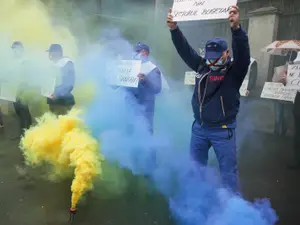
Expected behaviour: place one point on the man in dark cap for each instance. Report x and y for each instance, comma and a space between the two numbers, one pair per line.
150, 84
21, 108
62, 99
216, 95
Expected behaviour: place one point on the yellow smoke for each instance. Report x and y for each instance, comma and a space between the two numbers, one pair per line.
64, 143
29, 21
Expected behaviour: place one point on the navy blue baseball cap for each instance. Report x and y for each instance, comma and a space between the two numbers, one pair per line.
215, 47
55, 48
141, 46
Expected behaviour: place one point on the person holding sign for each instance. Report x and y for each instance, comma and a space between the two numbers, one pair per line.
62, 99
281, 108
216, 95
150, 83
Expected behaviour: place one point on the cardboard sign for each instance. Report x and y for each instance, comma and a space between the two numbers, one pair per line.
126, 73
189, 78
186, 10
293, 75
244, 88
278, 91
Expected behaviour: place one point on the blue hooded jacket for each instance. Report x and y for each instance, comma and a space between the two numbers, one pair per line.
216, 95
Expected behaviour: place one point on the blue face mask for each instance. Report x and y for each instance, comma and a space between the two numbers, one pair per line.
137, 56
215, 66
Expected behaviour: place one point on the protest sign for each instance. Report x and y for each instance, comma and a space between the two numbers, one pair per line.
125, 73
189, 78
288, 93
271, 90
47, 87
8, 91
244, 88
186, 10
293, 75
278, 91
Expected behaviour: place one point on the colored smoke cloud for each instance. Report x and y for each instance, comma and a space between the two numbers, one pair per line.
195, 194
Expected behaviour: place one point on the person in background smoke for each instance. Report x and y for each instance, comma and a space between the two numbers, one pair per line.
21, 109
281, 107
216, 95
296, 114
1, 119
62, 100
150, 84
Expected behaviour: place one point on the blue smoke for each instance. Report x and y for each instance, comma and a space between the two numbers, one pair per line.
194, 193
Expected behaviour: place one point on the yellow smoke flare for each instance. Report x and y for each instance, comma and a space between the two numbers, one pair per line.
64, 143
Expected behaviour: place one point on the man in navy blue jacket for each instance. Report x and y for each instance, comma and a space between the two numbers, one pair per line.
150, 84
216, 95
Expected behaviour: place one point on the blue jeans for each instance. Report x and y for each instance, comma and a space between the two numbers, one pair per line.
223, 140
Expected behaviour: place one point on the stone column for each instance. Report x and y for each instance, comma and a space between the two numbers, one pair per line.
262, 31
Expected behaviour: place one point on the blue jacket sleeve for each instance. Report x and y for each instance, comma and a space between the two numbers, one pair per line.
68, 80
241, 54
186, 52
153, 81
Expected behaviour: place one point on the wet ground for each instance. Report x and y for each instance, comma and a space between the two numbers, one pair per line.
34, 201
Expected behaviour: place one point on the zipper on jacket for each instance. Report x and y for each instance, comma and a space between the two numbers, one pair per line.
199, 92
222, 105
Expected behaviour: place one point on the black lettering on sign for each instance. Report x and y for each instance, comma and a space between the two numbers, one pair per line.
199, 3
125, 70
296, 67
186, 13
291, 74
295, 82
178, 1
215, 11
125, 79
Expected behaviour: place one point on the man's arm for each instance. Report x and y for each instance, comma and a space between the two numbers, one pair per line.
241, 53
68, 80
186, 52
153, 81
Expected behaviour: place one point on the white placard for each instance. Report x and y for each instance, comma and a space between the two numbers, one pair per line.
293, 75
271, 90
125, 73
7, 92
244, 88
48, 87
278, 91
185, 10
288, 93
189, 78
